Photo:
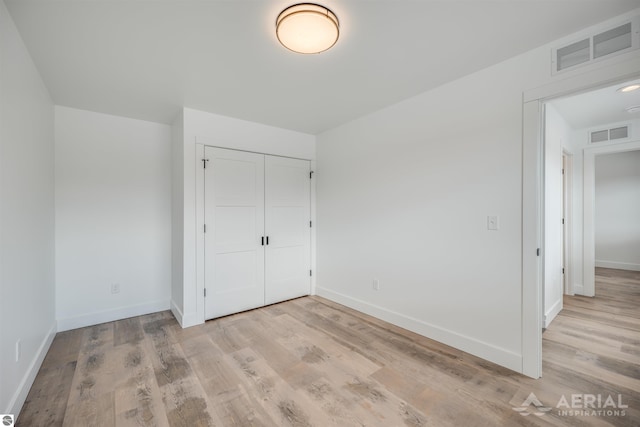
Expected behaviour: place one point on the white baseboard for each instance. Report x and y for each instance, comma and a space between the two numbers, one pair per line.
552, 313
617, 265
177, 313
91, 319
19, 397
190, 319
578, 289
494, 354
185, 320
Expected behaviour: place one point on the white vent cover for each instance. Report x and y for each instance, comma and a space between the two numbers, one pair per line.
599, 45
603, 135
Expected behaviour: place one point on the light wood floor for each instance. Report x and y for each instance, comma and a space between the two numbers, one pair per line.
310, 362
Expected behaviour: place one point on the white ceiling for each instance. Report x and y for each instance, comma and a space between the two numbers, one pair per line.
599, 107
146, 59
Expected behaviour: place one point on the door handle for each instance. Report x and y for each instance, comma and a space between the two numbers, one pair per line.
267, 240
262, 240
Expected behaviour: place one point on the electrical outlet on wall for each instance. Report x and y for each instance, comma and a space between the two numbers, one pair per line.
376, 284
115, 288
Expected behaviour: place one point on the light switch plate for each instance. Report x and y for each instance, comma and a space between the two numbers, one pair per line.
492, 222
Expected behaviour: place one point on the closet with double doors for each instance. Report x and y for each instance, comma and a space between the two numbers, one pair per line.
257, 211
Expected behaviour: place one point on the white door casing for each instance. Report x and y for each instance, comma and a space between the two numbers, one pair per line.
568, 223
532, 214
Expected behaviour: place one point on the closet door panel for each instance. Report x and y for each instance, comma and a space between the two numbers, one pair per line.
234, 217
287, 216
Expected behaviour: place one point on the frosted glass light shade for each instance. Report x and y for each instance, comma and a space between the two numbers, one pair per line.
307, 28
629, 88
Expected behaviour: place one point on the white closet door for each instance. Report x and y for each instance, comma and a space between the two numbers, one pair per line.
287, 216
234, 217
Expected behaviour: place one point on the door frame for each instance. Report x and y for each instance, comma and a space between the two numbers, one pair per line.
533, 192
567, 206
200, 144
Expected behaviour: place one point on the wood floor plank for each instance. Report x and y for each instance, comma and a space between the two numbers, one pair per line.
46, 404
64, 348
275, 395
226, 335
138, 400
127, 331
313, 362
92, 390
185, 402
230, 401
95, 412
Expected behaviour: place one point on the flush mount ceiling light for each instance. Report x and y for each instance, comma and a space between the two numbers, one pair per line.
307, 28
629, 88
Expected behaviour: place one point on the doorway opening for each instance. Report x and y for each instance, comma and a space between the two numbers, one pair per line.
534, 103
579, 127
616, 213
573, 220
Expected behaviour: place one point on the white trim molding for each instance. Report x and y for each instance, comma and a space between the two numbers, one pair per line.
468, 344
595, 76
20, 395
569, 288
552, 313
532, 215
91, 319
185, 320
199, 316
578, 289
618, 265
177, 313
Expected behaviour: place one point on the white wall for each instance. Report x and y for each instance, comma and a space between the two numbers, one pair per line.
617, 210
26, 218
113, 217
201, 128
404, 195
558, 136
177, 216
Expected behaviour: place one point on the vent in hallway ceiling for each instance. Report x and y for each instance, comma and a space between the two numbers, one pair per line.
613, 134
597, 46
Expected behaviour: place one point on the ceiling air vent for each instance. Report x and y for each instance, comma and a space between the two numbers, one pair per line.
597, 46
619, 132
